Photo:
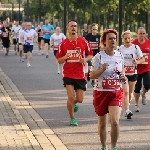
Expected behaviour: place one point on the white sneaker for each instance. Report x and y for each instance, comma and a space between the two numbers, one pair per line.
22, 59
144, 102
137, 109
128, 114
28, 65
58, 72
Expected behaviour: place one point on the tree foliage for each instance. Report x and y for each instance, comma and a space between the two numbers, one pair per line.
103, 12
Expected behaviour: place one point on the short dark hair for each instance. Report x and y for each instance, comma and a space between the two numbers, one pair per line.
141, 28
72, 20
94, 24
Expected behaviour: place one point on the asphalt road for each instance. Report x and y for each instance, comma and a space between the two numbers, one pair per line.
43, 88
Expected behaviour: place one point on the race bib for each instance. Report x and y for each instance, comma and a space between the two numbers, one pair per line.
145, 55
41, 34
17, 35
75, 56
56, 47
47, 31
5, 34
111, 83
29, 39
130, 70
94, 45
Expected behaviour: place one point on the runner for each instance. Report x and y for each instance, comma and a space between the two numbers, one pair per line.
85, 30
1, 25
47, 31
55, 41
21, 31
40, 39
15, 33
132, 56
108, 94
5, 31
72, 52
143, 69
28, 39
94, 39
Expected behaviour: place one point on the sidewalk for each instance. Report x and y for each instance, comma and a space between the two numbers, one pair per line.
21, 128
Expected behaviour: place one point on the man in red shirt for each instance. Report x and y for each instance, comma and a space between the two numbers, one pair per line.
143, 70
74, 52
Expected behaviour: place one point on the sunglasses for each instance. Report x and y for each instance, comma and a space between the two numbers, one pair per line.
142, 33
73, 25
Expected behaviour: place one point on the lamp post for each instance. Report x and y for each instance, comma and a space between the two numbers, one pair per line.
12, 12
27, 10
120, 21
65, 17
39, 17
19, 12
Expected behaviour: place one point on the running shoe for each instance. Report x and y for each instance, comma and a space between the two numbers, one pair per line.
104, 148
22, 59
58, 72
28, 65
76, 107
73, 122
144, 102
46, 56
137, 109
6, 54
128, 114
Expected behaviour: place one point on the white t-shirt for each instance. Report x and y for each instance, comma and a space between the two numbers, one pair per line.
20, 34
57, 39
109, 79
130, 53
29, 36
15, 31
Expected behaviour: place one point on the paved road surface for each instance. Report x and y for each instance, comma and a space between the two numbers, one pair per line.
42, 88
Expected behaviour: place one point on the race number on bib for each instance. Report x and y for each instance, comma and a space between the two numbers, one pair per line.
130, 70
110, 83
17, 35
94, 45
56, 47
41, 35
145, 55
29, 39
47, 31
5, 34
75, 56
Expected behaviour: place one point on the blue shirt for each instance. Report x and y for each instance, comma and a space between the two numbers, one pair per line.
46, 31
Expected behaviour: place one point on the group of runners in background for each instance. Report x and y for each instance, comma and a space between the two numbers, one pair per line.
113, 70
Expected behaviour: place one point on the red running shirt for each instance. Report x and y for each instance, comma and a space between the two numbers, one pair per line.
145, 48
79, 48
